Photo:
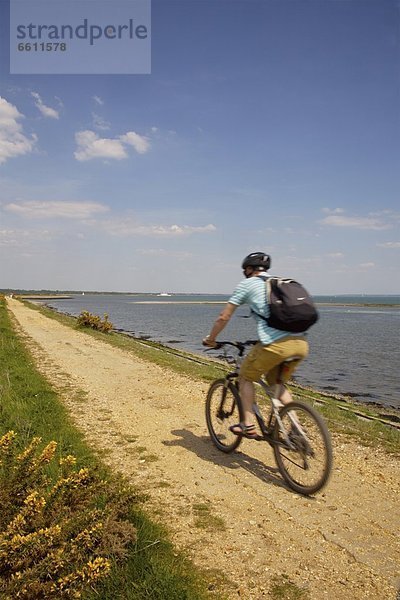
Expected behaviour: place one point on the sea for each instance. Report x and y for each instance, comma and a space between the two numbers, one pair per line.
354, 346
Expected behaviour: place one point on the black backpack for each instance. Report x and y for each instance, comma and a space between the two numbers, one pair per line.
291, 307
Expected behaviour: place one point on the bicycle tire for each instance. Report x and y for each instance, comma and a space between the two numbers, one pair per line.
223, 409
306, 464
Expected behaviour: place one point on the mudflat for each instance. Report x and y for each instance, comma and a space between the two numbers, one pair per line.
149, 421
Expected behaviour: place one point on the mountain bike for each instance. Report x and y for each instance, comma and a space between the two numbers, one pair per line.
296, 432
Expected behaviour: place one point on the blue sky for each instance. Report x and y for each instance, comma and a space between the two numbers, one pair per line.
266, 125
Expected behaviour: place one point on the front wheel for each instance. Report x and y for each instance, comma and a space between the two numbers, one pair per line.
222, 411
302, 448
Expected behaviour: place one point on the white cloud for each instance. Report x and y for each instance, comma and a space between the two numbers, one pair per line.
18, 238
174, 230
129, 227
33, 209
10, 237
336, 255
98, 100
91, 146
389, 245
385, 211
341, 220
100, 123
367, 265
13, 142
140, 143
160, 253
334, 211
46, 111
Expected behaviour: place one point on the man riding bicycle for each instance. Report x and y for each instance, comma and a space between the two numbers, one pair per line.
274, 346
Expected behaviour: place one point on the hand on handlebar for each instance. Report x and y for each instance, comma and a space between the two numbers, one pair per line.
210, 343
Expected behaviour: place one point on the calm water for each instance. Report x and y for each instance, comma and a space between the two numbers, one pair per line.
354, 350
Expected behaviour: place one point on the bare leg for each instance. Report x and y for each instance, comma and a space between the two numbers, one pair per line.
247, 395
285, 396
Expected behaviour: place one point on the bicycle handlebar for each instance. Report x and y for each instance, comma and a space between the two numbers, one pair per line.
241, 346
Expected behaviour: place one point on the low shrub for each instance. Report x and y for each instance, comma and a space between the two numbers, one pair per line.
86, 319
59, 534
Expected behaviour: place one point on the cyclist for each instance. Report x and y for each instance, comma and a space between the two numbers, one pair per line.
273, 348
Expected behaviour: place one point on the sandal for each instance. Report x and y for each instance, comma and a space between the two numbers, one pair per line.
247, 431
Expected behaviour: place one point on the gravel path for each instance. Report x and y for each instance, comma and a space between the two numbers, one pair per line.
231, 513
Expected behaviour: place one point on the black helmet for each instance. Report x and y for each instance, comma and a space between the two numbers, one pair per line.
257, 259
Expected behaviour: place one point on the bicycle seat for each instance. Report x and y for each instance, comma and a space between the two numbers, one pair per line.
291, 359
285, 365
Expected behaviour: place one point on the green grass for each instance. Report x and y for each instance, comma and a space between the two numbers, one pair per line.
154, 569
354, 421
341, 416
30, 406
205, 519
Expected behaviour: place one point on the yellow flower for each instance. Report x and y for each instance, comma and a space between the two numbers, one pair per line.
16, 525
7, 440
48, 453
34, 502
99, 567
68, 461
29, 449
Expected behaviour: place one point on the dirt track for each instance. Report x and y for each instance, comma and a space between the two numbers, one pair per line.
342, 544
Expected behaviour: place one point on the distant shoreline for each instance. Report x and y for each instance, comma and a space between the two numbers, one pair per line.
178, 302
36, 297
43, 297
341, 304
359, 304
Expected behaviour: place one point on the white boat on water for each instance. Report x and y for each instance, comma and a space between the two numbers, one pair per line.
163, 294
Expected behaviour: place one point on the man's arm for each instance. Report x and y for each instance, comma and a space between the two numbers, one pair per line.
219, 325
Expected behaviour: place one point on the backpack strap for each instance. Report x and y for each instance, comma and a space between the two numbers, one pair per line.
266, 279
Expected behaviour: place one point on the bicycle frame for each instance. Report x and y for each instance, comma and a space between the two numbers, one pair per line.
274, 417
276, 404
271, 392
296, 432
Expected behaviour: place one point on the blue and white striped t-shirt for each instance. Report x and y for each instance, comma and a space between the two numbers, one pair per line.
252, 291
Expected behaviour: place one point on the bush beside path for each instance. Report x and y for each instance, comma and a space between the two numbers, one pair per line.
231, 514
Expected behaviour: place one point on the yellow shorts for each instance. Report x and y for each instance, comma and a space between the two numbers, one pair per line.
265, 360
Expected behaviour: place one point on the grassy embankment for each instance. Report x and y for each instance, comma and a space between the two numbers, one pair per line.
342, 415
30, 407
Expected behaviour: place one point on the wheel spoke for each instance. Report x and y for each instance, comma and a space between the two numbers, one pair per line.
306, 463
222, 412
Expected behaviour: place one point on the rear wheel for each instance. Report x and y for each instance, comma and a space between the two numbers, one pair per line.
303, 449
222, 411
